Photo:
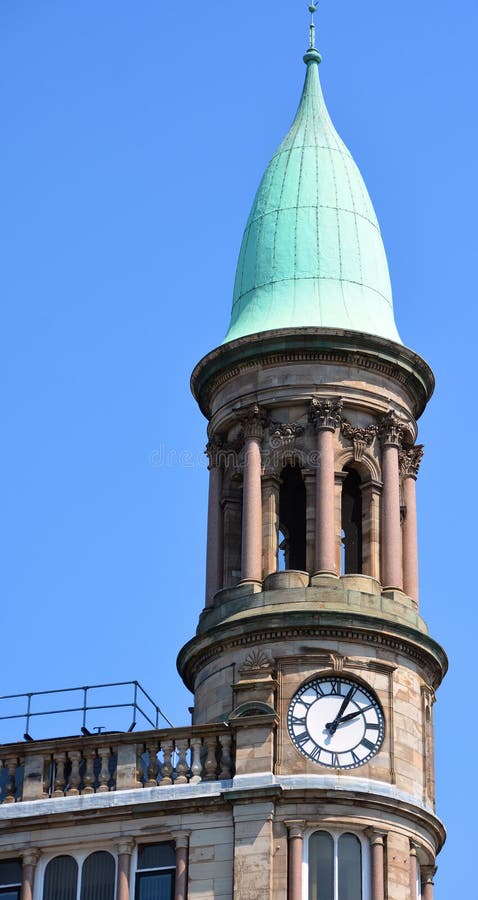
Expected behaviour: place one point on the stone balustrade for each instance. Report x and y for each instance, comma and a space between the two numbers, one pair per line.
94, 764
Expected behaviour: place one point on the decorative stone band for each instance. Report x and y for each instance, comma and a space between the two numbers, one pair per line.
325, 413
361, 438
253, 419
409, 460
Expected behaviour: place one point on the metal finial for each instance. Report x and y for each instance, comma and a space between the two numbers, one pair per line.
312, 10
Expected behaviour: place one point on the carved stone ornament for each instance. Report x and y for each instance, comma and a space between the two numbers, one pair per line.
256, 660
410, 460
337, 662
325, 412
360, 437
214, 448
393, 430
283, 435
253, 419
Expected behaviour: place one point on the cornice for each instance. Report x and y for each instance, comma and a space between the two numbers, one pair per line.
272, 627
282, 346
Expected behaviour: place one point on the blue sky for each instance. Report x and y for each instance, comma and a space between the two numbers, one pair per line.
135, 134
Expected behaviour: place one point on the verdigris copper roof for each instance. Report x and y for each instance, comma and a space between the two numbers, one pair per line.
312, 253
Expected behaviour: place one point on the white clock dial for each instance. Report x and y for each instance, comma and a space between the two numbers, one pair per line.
336, 722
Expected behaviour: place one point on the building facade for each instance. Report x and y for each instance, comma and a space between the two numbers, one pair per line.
307, 772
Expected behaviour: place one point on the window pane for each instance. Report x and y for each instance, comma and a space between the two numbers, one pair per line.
10, 893
321, 866
156, 856
60, 879
98, 877
350, 868
10, 872
155, 886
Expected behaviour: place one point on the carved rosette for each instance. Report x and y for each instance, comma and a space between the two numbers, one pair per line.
393, 431
361, 438
325, 413
253, 419
409, 460
256, 661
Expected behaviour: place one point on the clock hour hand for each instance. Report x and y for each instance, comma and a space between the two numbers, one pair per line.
331, 726
358, 712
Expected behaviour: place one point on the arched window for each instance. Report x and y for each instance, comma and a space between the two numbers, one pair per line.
292, 515
98, 877
336, 867
351, 523
61, 879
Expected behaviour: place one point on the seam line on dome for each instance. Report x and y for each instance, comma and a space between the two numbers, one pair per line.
312, 278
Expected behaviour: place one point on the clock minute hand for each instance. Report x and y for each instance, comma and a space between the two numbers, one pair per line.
331, 726
348, 717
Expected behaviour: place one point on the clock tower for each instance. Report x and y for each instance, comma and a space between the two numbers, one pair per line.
311, 645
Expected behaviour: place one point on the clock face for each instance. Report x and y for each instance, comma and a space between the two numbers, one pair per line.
336, 722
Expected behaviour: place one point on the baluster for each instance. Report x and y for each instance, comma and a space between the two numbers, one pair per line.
167, 768
153, 766
89, 775
210, 762
139, 765
196, 764
182, 763
75, 759
59, 785
11, 764
226, 759
47, 777
104, 777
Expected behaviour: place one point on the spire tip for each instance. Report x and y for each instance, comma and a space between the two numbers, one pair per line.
312, 54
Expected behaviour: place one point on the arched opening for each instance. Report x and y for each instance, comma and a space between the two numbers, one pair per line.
352, 537
292, 518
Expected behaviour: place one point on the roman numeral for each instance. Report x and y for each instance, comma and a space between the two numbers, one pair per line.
355, 757
335, 688
372, 726
315, 753
367, 744
302, 737
297, 720
335, 760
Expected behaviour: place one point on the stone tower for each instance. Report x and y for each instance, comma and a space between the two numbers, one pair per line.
311, 645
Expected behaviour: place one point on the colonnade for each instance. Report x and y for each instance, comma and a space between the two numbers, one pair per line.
124, 853
391, 534
378, 873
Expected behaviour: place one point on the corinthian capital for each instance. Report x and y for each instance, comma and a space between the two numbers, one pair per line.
360, 437
410, 460
252, 419
325, 413
393, 430
214, 448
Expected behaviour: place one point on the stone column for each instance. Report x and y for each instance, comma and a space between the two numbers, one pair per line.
30, 859
295, 854
310, 492
371, 494
410, 460
182, 853
413, 871
125, 849
391, 544
215, 536
253, 425
270, 523
427, 875
325, 415
378, 871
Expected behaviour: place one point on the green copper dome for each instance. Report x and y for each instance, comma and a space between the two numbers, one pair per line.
312, 253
